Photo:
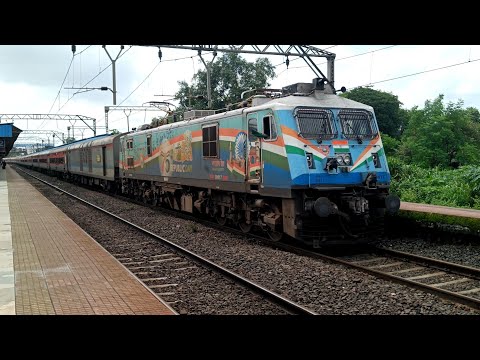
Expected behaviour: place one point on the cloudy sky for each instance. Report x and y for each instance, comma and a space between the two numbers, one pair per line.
31, 78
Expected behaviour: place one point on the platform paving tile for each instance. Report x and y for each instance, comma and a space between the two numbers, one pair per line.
59, 269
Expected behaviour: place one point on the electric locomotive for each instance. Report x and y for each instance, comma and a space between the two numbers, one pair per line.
303, 162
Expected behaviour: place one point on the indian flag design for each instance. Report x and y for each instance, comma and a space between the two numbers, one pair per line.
297, 145
367, 152
340, 146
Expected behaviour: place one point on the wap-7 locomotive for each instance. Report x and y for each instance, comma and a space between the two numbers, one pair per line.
306, 163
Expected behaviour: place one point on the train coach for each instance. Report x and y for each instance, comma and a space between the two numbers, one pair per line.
92, 161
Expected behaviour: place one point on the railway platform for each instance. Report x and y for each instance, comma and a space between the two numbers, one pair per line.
442, 210
50, 266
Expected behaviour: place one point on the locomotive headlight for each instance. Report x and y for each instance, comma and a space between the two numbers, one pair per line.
347, 159
340, 159
376, 160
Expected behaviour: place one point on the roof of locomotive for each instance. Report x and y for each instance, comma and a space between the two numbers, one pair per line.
319, 100
282, 103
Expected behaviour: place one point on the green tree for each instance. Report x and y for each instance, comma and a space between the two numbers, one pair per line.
474, 114
390, 117
230, 76
114, 132
441, 136
390, 144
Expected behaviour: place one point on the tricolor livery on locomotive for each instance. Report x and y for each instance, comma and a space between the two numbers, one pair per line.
306, 163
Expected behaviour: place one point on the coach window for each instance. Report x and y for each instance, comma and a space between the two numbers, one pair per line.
210, 140
149, 145
130, 162
269, 128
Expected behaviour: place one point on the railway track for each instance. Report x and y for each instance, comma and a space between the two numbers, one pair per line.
454, 282
457, 283
142, 266
448, 280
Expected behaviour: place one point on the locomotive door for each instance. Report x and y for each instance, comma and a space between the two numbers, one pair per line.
123, 156
254, 151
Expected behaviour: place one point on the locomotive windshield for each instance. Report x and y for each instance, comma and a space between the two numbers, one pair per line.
357, 124
315, 123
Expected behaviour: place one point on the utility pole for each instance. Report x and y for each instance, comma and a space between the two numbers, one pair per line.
127, 115
113, 72
209, 70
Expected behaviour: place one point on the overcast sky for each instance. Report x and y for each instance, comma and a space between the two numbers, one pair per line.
31, 77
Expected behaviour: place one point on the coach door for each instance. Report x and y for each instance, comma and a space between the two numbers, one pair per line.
104, 163
67, 160
254, 152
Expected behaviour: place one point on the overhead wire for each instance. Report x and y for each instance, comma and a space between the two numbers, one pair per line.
141, 83
73, 57
63, 82
420, 72
168, 60
89, 46
336, 60
65, 78
83, 86
151, 72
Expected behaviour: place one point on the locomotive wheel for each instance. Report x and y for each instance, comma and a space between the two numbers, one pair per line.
275, 235
272, 234
245, 227
221, 220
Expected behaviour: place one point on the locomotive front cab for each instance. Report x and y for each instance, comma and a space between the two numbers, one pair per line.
339, 171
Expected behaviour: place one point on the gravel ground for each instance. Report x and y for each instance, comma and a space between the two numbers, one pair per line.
460, 252
192, 289
321, 286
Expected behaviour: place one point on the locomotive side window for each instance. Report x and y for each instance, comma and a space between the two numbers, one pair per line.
210, 140
269, 128
149, 145
130, 144
315, 123
252, 127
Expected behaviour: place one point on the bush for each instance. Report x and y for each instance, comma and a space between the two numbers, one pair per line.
458, 188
